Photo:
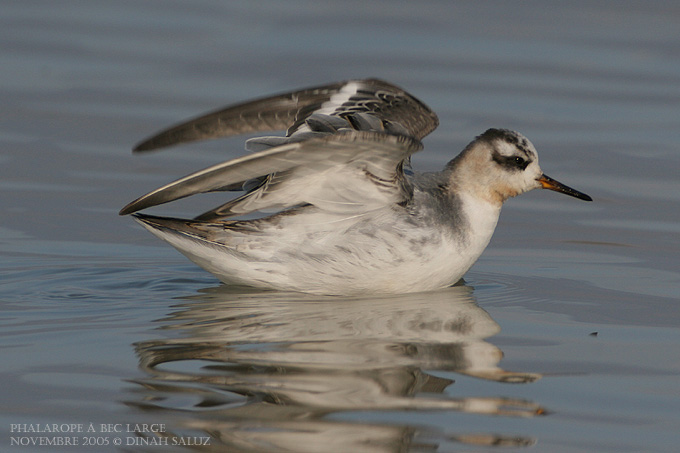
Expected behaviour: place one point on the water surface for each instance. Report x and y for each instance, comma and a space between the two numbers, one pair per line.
563, 339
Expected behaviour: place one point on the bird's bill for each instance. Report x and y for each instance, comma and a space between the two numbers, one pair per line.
549, 183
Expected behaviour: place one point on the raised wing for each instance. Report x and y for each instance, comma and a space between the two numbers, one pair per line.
347, 171
289, 112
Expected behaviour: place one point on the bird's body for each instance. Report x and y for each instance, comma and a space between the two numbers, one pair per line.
353, 217
393, 249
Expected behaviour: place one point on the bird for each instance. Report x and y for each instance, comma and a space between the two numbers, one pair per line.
334, 207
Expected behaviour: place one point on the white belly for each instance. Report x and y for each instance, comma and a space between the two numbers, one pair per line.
381, 254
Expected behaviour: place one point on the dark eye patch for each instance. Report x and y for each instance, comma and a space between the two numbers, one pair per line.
511, 163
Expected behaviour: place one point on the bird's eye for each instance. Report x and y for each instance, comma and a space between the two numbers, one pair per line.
519, 161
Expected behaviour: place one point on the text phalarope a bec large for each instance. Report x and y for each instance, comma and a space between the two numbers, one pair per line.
353, 217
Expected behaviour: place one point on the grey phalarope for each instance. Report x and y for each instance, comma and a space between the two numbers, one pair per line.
353, 216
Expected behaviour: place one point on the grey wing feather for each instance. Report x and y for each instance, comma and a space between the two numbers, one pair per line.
289, 112
377, 156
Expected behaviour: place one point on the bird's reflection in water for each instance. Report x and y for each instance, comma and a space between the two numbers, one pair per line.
265, 371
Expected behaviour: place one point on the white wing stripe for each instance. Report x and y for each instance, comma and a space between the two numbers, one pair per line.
339, 98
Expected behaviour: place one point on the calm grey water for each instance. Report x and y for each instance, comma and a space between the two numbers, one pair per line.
565, 338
